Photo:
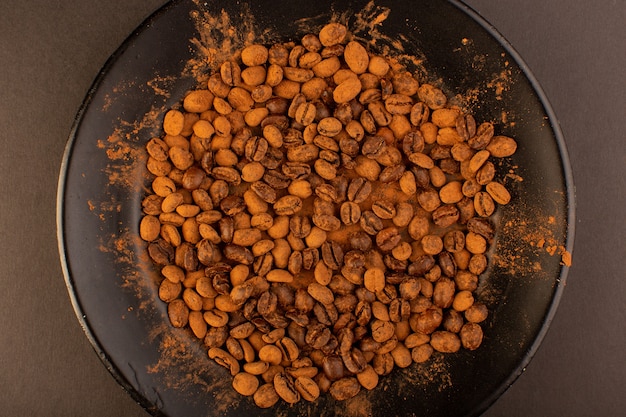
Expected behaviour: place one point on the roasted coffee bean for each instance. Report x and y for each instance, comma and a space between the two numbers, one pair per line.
388, 238
373, 146
447, 264
296, 170
445, 216
483, 136
276, 179
483, 204
384, 209
332, 255
370, 223
273, 158
454, 241
317, 335
285, 388
350, 213
421, 265
383, 363
359, 190
300, 226
326, 192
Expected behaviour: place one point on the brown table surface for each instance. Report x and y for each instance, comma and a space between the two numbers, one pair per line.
50, 52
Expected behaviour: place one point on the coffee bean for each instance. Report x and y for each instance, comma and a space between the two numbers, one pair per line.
370, 223
285, 388
332, 255
384, 209
350, 213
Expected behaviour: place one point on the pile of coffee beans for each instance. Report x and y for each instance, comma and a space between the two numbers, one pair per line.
319, 217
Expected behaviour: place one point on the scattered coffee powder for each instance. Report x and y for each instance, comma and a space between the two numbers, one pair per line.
320, 218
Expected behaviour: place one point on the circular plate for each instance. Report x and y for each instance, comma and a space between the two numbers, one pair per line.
103, 180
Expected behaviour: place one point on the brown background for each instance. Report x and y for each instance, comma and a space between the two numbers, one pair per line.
50, 52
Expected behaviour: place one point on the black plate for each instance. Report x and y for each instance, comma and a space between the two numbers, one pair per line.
103, 179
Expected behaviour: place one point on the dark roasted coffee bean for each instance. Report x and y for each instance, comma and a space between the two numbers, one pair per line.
277, 105
388, 238
447, 264
292, 137
263, 264
341, 188
359, 190
326, 314
350, 213
481, 226
413, 142
466, 210
256, 148
445, 215
303, 300
232, 205
288, 205
384, 209
238, 254
300, 226
228, 174
360, 240
267, 303
354, 361
373, 146
265, 191
296, 170
317, 335
185, 257
326, 222
419, 114
363, 312
227, 229
277, 320
394, 264
332, 255
273, 158
276, 179
349, 146
370, 223
421, 265
483, 136
161, 252
301, 319
326, 192
454, 241
333, 367
310, 258
449, 166
285, 388
391, 174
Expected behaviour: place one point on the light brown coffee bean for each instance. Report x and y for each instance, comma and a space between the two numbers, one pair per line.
266, 396
225, 359
245, 383
332, 34
421, 353
502, 146
444, 341
307, 388
345, 388
498, 192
